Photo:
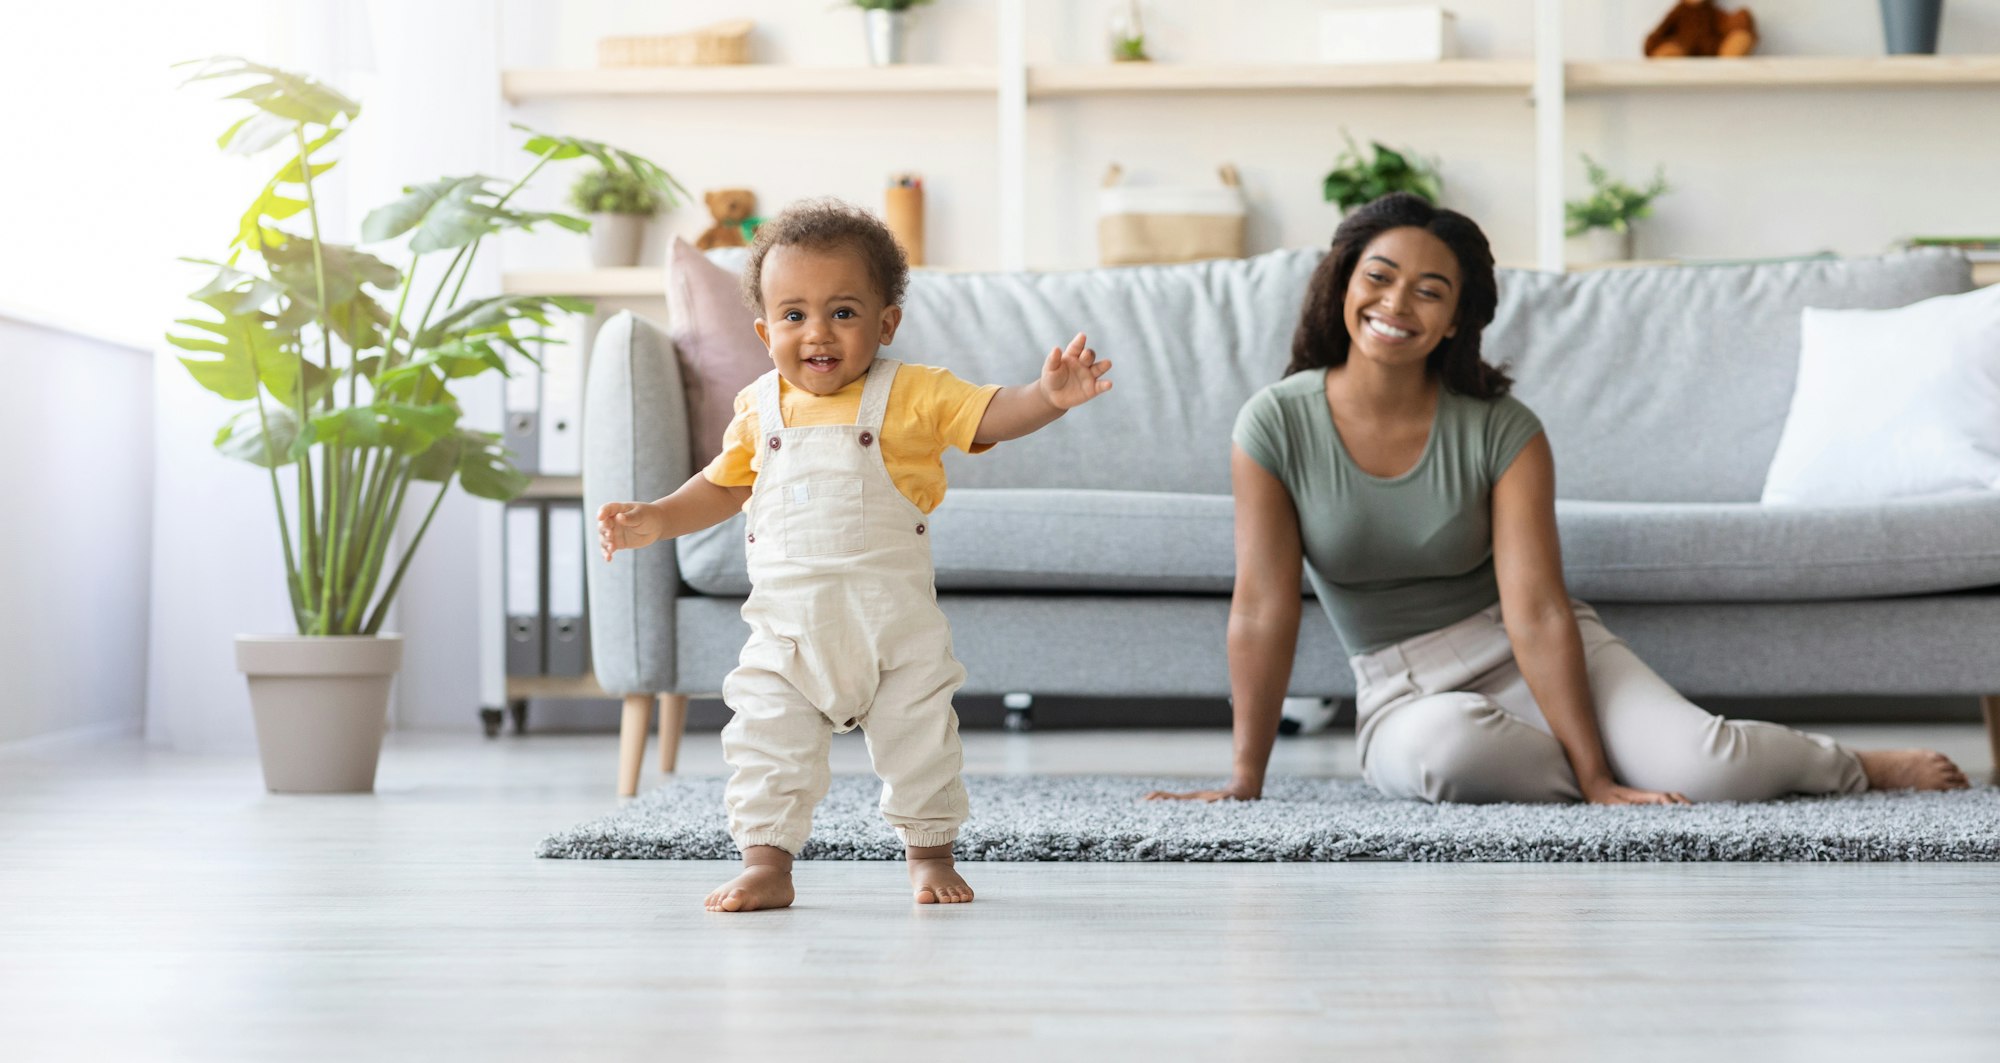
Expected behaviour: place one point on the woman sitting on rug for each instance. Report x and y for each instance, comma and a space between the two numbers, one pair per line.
1391, 461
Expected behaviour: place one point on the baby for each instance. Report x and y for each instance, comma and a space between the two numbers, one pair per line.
838, 454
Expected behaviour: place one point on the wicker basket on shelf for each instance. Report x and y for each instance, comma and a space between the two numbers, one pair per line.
722, 43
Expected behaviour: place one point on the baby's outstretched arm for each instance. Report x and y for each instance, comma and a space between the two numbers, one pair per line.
1071, 377
696, 505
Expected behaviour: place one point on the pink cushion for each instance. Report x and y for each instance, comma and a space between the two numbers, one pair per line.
716, 336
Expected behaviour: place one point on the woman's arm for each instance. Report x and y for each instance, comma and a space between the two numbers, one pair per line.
1263, 622
1534, 604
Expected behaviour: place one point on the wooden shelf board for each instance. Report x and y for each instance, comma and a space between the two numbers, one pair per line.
623, 281
1450, 75
1787, 71
554, 686
747, 79
1985, 273
554, 487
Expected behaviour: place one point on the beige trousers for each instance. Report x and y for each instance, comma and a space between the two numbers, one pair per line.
845, 632
1447, 716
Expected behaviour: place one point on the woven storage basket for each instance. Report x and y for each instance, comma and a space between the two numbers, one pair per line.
1169, 224
717, 45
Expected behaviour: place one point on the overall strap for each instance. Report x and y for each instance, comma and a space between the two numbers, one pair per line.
770, 417
875, 393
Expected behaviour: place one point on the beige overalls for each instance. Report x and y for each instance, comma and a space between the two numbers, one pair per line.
845, 632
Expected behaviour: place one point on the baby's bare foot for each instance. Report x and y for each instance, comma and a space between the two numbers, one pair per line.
1911, 769
756, 888
936, 881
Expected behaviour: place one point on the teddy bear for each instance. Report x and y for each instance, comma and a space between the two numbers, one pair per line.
730, 207
1698, 27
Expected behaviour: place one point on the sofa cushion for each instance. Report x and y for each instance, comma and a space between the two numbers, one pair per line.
1156, 542
1671, 383
1745, 552
715, 338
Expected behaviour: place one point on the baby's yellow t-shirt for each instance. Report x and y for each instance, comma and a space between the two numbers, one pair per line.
929, 409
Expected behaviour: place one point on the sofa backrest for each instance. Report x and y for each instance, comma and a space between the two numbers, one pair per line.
1189, 345
1656, 384
1672, 383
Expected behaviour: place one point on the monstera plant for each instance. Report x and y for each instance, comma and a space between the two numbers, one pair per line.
346, 379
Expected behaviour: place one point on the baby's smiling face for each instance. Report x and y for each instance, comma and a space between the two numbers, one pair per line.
823, 318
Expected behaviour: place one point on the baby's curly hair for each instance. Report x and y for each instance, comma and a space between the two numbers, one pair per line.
825, 225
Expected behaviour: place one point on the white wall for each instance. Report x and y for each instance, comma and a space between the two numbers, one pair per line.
76, 508
1763, 173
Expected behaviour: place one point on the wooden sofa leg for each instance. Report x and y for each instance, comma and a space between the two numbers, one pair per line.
673, 719
632, 741
1990, 705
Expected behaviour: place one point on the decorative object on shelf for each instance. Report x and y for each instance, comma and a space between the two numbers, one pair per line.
283, 297
1387, 35
1699, 28
1357, 180
722, 44
730, 207
1603, 219
1910, 27
888, 24
903, 213
1138, 226
1128, 34
619, 203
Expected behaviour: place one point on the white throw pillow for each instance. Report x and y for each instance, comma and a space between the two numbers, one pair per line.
1893, 403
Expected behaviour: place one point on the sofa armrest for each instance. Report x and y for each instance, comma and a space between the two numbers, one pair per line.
635, 448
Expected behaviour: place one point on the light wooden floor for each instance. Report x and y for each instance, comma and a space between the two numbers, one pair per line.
159, 906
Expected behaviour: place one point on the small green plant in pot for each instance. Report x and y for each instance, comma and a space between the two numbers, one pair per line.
351, 402
1358, 179
1602, 221
619, 203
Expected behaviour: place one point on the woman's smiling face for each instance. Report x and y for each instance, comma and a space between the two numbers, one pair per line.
823, 319
1402, 300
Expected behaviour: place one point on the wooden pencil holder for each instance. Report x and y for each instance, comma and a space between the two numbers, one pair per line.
903, 212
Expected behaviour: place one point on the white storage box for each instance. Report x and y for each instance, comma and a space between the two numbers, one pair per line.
1387, 35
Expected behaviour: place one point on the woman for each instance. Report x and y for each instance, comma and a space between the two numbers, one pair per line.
1393, 460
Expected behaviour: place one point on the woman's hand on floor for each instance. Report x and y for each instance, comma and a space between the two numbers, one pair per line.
1614, 794
1232, 792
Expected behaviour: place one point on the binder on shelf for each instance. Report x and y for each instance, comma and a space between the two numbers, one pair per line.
562, 397
522, 589
569, 621
521, 422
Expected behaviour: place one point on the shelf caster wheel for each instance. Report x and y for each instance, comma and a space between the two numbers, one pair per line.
1020, 718
489, 720
518, 709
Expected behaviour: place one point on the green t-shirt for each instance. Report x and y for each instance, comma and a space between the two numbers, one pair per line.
1397, 557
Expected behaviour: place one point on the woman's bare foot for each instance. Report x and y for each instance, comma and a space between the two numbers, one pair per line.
934, 878
766, 882
1911, 769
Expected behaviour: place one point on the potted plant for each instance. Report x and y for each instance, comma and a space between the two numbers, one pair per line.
1128, 35
1600, 225
887, 22
352, 402
619, 203
1357, 179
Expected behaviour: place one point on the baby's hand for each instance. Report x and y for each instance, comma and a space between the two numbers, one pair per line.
626, 526
1073, 376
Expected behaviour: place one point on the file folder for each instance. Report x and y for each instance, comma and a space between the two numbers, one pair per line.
568, 626
521, 421
562, 397
522, 591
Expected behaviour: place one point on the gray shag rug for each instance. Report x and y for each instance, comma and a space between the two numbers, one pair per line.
1101, 818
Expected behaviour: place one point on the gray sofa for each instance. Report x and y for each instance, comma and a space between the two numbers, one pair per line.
1095, 558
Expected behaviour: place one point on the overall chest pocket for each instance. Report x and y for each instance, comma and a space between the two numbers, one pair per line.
822, 517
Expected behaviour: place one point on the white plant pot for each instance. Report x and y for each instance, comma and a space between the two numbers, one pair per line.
1600, 245
888, 36
321, 705
615, 239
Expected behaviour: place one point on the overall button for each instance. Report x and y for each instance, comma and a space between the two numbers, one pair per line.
774, 443
753, 537
867, 438
920, 529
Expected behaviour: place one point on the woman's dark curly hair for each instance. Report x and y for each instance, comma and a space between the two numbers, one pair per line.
826, 225
1321, 340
